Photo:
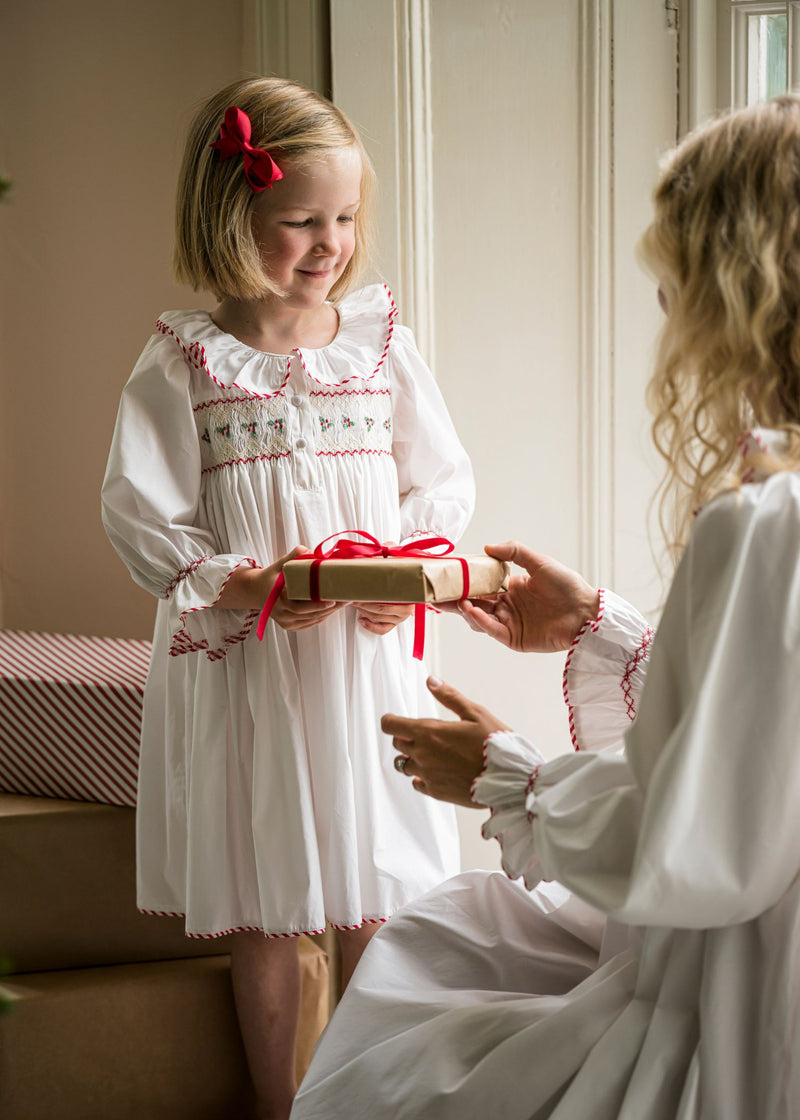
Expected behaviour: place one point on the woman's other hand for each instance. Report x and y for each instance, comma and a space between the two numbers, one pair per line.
443, 757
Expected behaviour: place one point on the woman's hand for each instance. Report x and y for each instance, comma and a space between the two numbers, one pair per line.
443, 756
542, 611
249, 588
380, 618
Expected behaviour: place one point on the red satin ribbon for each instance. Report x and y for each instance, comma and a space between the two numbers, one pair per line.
260, 168
367, 549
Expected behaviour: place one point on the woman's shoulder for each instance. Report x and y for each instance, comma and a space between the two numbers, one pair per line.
754, 528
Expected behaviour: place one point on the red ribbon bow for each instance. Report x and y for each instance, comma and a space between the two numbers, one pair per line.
368, 548
260, 168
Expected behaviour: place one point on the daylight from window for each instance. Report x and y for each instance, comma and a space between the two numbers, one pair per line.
766, 56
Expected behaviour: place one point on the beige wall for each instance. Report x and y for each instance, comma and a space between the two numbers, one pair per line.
96, 97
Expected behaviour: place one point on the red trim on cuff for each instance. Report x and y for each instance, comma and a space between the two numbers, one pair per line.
592, 624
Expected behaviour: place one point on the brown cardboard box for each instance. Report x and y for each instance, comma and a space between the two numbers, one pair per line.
393, 579
154, 1041
68, 890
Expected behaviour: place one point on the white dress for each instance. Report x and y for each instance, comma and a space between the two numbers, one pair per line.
267, 794
684, 1004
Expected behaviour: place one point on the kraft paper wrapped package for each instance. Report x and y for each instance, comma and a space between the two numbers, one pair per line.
68, 890
396, 579
136, 1041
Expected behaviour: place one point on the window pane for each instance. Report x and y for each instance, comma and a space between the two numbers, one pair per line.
766, 57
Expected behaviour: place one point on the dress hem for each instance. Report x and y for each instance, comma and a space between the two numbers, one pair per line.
193, 934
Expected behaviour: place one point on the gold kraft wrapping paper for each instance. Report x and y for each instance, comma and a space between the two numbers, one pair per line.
428, 579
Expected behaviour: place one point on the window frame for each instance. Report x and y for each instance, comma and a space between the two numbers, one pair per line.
733, 47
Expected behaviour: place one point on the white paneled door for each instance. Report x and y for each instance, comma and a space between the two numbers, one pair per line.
516, 144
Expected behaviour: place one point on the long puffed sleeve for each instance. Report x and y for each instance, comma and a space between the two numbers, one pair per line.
604, 674
603, 677
150, 503
697, 825
437, 489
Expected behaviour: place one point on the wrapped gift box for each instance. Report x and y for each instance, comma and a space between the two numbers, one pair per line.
393, 579
137, 1041
68, 890
72, 711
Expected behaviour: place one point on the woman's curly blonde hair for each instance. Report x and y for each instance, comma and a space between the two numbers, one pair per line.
725, 248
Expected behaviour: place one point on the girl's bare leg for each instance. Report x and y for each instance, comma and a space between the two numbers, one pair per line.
352, 943
266, 987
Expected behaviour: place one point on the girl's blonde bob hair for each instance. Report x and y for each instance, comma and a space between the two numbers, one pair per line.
215, 248
725, 248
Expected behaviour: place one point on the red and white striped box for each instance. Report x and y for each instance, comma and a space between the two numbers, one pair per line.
70, 715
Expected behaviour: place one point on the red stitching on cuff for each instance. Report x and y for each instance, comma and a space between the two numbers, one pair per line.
481, 773
183, 573
531, 787
632, 665
592, 624
182, 643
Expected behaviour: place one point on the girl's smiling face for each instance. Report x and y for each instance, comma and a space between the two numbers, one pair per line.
304, 226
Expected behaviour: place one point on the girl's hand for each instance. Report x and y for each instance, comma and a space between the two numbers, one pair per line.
381, 618
542, 611
444, 756
249, 588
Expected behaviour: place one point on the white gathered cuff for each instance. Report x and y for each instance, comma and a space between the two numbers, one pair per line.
604, 674
511, 767
194, 626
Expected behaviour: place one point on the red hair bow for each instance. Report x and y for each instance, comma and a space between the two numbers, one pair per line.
260, 168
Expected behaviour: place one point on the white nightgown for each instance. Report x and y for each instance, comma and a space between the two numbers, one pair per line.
484, 1000
267, 795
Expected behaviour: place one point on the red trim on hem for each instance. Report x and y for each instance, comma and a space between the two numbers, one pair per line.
363, 922
225, 932
592, 624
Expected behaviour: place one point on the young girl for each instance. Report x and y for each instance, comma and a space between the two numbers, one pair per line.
675, 995
268, 802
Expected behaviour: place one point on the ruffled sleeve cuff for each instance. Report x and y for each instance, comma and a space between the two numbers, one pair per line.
195, 628
507, 786
604, 674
